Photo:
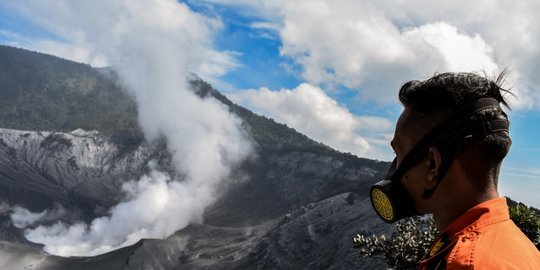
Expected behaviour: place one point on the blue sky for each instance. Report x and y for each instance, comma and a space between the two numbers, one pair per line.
331, 69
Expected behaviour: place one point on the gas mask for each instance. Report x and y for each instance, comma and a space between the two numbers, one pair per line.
389, 197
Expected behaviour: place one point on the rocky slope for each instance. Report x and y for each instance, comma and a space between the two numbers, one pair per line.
67, 168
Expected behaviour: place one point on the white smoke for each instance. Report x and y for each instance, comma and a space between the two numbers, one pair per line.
154, 46
23, 218
158, 207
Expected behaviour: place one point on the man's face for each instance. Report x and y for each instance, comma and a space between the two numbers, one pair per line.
415, 180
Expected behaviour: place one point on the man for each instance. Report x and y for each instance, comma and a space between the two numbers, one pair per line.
450, 141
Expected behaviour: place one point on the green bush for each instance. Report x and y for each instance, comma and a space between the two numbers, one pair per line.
405, 248
528, 221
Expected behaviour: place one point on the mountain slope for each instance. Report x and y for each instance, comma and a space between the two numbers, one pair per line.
46, 93
298, 202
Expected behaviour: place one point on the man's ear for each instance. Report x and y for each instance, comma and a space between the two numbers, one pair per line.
433, 163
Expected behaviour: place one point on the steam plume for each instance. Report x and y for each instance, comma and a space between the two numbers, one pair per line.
153, 45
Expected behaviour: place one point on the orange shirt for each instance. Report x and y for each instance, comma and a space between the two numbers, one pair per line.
483, 238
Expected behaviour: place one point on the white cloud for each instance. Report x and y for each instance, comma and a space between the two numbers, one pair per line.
309, 110
264, 25
459, 51
353, 43
266, 30
154, 46
217, 64
511, 29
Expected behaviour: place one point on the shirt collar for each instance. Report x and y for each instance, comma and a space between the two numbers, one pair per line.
483, 214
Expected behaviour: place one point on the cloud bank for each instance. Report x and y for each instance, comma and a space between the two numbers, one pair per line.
375, 46
335, 45
154, 46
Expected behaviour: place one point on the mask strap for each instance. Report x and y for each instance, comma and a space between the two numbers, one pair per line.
440, 132
480, 129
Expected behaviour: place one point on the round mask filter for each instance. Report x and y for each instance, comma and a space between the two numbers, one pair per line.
382, 204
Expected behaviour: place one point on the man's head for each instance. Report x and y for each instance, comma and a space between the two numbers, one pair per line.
470, 164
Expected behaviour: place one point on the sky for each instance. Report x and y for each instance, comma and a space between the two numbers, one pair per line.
332, 69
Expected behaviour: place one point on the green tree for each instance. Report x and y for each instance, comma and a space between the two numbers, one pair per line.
528, 220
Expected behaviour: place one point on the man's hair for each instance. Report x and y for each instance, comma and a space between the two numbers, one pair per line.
438, 97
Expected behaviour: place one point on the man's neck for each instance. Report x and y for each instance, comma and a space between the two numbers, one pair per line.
458, 205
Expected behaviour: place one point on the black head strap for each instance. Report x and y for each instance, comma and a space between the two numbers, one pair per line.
448, 138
